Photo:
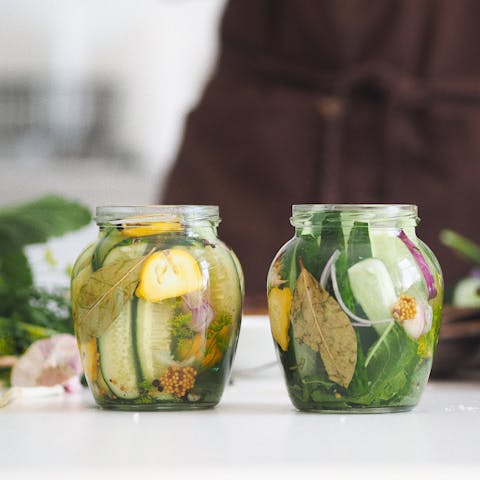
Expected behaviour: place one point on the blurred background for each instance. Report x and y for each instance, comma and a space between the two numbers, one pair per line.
305, 102
93, 94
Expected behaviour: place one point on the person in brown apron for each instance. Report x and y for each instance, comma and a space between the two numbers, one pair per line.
336, 101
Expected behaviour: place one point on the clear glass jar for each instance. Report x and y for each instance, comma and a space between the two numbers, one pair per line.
355, 301
157, 304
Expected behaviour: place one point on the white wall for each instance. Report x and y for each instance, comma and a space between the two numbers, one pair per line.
158, 52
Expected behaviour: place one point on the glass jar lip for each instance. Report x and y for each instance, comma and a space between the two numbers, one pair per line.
391, 209
142, 214
374, 212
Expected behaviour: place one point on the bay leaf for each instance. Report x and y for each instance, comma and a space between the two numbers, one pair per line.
102, 298
319, 322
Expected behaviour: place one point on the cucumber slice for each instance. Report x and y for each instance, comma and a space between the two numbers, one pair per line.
83, 260
115, 346
373, 289
117, 359
153, 337
236, 261
77, 283
401, 266
107, 243
224, 282
124, 252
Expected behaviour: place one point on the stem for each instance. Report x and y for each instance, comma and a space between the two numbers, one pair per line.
461, 245
7, 361
315, 382
379, 342
36, 330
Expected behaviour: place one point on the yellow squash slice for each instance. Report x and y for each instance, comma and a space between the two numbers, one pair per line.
279, 302
151, 229
167, 274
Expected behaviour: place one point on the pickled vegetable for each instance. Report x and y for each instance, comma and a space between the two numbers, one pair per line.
168, 274
279, 302
157, 316
360, 331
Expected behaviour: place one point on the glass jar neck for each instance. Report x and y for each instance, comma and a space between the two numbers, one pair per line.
174, 217
315, 217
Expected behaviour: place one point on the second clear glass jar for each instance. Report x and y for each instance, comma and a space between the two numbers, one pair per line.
355, 300
157, 304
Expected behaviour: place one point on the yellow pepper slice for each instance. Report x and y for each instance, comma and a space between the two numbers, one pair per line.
89, 355
279, 303
192, 348
168, 274
153, 228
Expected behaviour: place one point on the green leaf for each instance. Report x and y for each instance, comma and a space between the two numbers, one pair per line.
315, 245
390, 363
308, 251
319, 322
15, 271
7, 337
358, 247
39, 220
341, 268
306, 359
318, 389
36, 314
327, 400
332, 237
417, 383
359, 384
28, 313
50, 310
103, 297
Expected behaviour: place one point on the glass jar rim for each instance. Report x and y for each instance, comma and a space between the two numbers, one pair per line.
374, 212
141, 214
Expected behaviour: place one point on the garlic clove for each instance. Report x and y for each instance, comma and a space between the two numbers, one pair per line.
48, 362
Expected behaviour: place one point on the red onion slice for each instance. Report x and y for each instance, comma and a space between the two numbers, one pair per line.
422, 264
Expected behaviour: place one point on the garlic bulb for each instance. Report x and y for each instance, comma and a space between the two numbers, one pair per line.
48, 362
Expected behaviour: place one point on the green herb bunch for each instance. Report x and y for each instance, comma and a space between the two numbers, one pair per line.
28, 313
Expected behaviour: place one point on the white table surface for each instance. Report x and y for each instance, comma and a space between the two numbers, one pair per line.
254, 429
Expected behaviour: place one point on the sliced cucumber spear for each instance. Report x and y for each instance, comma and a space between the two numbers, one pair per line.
117, 360
397, 259
373, 289
153, 336
117, 357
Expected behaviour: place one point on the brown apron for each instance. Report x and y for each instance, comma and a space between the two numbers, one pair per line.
337, 101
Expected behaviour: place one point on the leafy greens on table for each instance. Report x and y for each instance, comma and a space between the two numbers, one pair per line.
28, 313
